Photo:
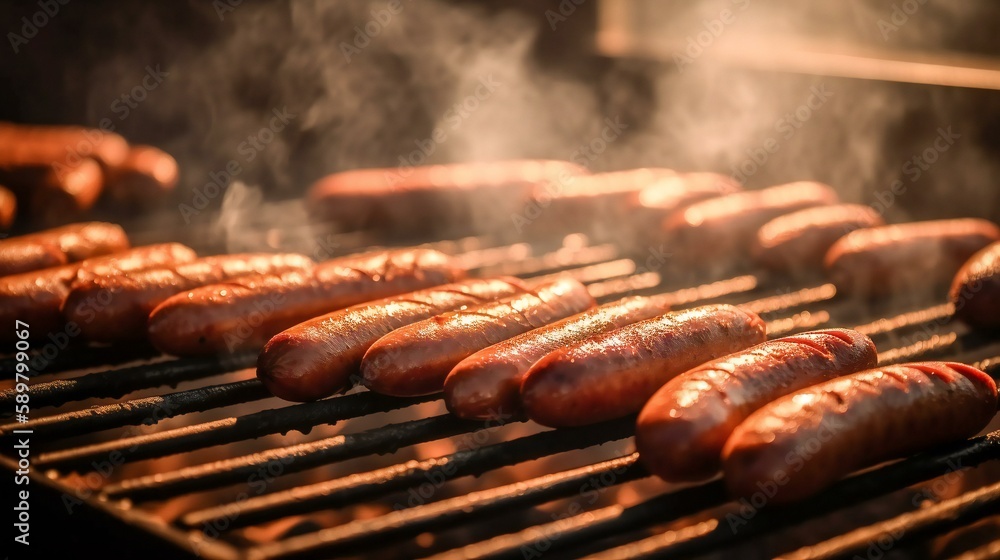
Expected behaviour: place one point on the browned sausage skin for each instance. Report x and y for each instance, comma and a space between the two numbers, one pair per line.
672, 192
8, 208
415, 359
144, 178
245, 313
975, 291
801, 443
322, 356
905, 258
31, 145
37, 297
487, 384
796, 243
61, 245
682, 429
429, 198
613, 374
116, 308
719, 231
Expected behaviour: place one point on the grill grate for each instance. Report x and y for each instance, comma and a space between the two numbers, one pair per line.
192, 451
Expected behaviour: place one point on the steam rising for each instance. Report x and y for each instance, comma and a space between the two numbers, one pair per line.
367, 87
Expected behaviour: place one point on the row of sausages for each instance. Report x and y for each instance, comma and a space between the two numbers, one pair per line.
55, 173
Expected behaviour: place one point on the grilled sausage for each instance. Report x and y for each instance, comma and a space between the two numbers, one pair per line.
56, 193
718, 232
682, 429
116, 308
674, 192
801, 443
603, 203
905, 258
437, 198
244, 313
487, 384
8, 208
33, 145
613, 374
415, 359
796, 243
57, 246
37, 297
975, 291
322, 356
144, 178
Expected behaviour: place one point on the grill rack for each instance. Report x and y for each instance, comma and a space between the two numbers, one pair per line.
208, 530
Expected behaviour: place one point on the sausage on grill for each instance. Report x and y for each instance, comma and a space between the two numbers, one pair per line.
144, 178
975, 291
35, 145
905, 258
116, 308
244, 313
61, 245
720, 231
796, 243
322, 356
415, 359
487, 384
56, 193
437, 198
801, 443
37, 297
682, 429
671, 193
613, 374
8, 208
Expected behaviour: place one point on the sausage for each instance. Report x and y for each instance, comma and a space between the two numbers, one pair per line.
602, 202
116, 308
244, 313
322, 356
807, 440
613, 374
682, 429
37, 297
975, 291
35, 145
61, 245
8, 208
918, 257
487, 384
144, 178
674, 192
436, 198
415, 359
718, 232
796, 243
56, 193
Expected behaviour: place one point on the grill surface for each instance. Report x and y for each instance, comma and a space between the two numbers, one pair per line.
194, 453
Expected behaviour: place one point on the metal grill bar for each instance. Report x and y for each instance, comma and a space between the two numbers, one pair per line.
149, 410
461, 509
889, 324
78, 357
931, 520
380, 482
986, 552
293, 458
797, 298
301, 417
119, 382
845, 493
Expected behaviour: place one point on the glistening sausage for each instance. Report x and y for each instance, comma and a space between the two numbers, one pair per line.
116, 308
975, 291
37, 297
322, 356
61, 245
682, 429
415, 359
613, 374
796, 243
244, 313
807, 440
902, 259
718, 232
36, 145
487, 383
144, 178
8, 208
